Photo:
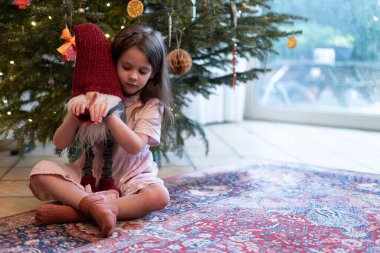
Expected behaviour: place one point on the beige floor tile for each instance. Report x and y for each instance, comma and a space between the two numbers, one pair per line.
7, 160
3, 170
215, 149
15, 189
170, 171
175, 160
18, 174
202, 162
30, 161
11, 206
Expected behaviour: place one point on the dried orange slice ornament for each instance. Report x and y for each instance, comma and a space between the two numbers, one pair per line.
135, 8
292, 42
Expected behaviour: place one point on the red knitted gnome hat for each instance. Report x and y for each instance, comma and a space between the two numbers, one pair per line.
94, 68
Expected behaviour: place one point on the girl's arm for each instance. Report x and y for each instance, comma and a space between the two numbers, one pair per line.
65, 133
132, 142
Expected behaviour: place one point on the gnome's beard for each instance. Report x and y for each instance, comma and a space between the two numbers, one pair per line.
93, 133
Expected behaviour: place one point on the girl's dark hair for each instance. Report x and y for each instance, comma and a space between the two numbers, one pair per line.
152, 44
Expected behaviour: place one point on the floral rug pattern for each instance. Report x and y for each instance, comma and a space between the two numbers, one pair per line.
260, 207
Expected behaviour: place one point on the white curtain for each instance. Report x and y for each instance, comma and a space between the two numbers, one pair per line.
226, 104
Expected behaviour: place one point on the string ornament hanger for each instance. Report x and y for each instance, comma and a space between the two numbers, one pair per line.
68, 50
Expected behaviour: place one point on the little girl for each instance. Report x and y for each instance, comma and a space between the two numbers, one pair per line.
140, 56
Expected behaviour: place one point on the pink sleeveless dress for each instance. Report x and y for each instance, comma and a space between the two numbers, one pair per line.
131, 172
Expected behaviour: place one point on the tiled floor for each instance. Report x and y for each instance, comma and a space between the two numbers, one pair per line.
229, 144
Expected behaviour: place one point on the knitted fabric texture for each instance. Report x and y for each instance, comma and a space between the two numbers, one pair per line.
94, 68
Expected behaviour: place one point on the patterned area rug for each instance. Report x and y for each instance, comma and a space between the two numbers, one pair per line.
261, 207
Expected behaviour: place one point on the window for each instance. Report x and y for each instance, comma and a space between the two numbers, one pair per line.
332, 75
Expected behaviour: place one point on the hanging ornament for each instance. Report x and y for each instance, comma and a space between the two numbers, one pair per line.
233, 11
234, 65
80, 9
245, 4
292, 42
51, 81
204, 7
170, 27
21, 3
180, 62
194, 15
67, 50
135, 8
266, 62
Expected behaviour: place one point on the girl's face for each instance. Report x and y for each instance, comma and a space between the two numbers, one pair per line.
133, 70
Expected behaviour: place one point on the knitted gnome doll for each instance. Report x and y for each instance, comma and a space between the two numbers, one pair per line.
95, 71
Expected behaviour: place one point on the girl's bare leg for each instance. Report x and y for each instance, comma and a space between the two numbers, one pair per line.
60, 189
152, 198
55, 213
104, 213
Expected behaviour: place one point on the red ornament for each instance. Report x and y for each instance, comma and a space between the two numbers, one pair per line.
68, 50
70, 55
21, 3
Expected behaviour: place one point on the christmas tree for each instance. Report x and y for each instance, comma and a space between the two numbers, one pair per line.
35, 80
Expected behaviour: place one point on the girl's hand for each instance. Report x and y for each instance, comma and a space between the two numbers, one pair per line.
97, 111
78, 108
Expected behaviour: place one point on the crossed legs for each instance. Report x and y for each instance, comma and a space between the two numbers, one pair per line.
82, 206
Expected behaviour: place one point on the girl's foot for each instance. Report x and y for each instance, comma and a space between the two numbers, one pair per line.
104, 213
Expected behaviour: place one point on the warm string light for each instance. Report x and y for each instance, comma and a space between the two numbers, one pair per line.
245, 5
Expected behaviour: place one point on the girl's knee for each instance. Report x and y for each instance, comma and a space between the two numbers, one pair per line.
163, 199
36, 179
35, 185
158, 196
